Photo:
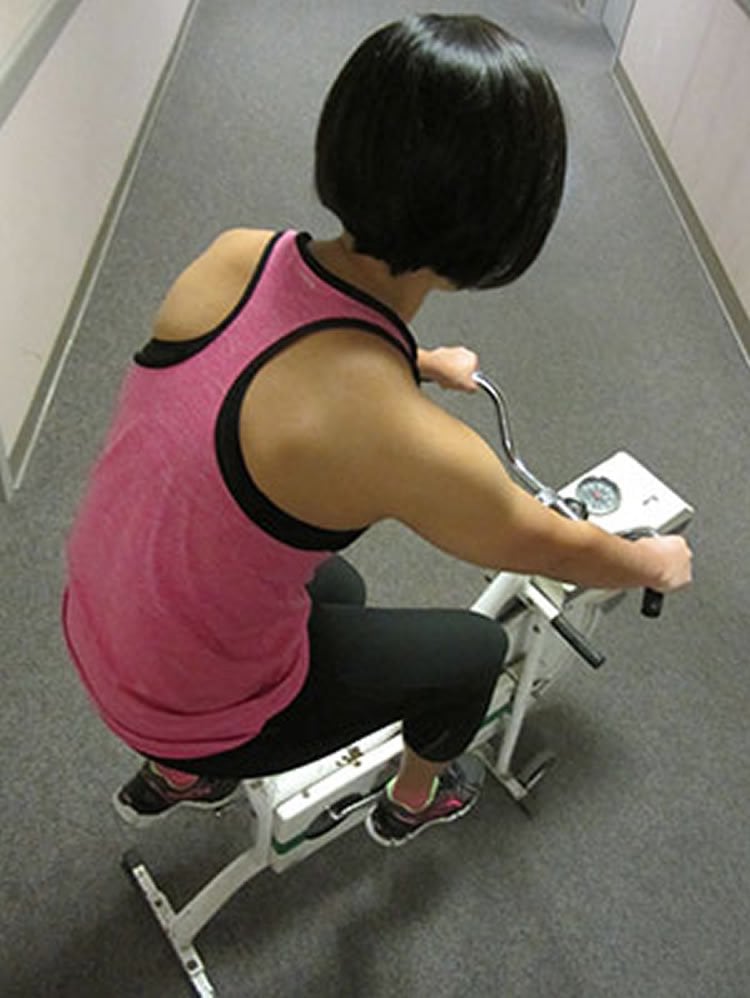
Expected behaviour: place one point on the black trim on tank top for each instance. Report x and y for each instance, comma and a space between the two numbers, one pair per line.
254, 503
303, 241
167, 353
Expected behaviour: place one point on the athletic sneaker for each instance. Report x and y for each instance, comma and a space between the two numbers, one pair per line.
148, 796
458, 791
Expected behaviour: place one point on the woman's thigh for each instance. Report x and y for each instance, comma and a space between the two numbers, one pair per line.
370, 667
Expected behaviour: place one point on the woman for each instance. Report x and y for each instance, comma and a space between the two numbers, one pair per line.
276, 414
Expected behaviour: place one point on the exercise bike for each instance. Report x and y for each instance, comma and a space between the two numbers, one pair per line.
549, 626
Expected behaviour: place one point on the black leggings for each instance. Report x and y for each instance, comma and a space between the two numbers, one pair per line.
435, 670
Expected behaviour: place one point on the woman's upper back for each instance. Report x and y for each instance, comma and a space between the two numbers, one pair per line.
308, 411
333, 428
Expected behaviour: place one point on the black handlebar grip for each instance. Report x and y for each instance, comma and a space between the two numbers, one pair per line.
578, 642
652, 603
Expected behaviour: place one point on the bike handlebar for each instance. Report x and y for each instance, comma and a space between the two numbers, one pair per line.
652, 603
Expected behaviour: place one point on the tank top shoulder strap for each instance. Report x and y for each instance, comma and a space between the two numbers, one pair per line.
285, 251
370, 308
296, 298
168, 353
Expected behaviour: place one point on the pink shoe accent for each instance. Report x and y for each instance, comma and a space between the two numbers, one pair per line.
175, 777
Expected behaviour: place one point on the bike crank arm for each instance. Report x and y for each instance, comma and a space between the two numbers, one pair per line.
340, 810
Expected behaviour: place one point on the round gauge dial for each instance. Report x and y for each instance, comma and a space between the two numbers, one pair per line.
600, 494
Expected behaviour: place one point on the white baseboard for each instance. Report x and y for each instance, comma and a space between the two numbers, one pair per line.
6, 478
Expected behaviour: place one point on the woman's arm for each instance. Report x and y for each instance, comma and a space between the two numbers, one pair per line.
355, 441
450, 487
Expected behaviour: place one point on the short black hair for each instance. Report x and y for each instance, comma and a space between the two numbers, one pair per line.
442, 144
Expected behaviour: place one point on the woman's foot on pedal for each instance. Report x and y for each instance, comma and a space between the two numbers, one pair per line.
457, 792
150, 796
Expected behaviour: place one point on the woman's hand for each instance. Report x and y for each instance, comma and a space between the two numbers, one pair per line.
449, 367
673, 562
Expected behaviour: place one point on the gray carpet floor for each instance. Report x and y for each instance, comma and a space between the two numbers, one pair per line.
633, 879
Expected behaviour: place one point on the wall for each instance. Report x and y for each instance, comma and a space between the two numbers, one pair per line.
613, 14
686, 64
63, 148
15, 15
28, 29
615, 19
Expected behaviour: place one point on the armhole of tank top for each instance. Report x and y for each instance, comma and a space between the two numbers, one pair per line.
167, 353
261, 510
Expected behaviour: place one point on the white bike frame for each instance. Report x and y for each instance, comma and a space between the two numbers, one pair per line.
548, 624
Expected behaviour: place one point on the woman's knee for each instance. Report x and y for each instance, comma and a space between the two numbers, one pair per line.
336, 581
487, 650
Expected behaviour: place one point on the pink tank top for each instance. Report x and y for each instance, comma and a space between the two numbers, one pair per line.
185, 609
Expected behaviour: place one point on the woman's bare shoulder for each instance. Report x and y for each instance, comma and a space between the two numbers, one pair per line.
210, 287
